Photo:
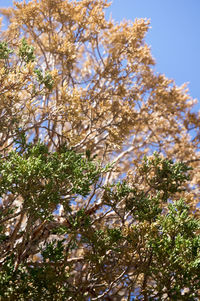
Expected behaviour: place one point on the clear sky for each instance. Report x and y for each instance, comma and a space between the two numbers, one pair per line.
174, 35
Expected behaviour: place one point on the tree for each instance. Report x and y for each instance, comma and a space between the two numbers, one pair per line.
85, 215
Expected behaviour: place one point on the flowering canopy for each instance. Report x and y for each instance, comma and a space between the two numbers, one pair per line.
77, 92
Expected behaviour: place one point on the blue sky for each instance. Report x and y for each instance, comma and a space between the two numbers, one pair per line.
174, 35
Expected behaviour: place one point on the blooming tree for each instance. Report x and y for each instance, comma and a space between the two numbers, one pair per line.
99, 161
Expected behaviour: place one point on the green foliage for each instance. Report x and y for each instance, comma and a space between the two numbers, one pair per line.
5, 51
54, 251
46, 79
162, 178
161, 243
80, 219
168, 176
26, 52
42, 178
175, 249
